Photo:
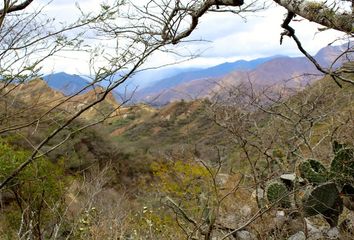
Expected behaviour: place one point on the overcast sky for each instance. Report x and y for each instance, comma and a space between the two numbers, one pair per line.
231, 37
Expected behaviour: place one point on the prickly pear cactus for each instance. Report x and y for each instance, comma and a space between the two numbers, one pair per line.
342, 166
313, 171
322, 199
277, 192
321, 196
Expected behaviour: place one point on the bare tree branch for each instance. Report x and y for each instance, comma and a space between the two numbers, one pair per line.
15, 7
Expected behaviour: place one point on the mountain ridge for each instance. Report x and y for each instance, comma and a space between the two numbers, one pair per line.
281, 70
210, 72
194, 83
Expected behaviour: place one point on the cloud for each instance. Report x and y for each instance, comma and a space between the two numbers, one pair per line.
259, 36
229, 37
65, 10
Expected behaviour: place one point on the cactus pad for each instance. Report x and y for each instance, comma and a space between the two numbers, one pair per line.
323, 199
278, 192
313, 171
342, 166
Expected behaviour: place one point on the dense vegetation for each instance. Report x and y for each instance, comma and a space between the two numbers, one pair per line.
257, 160
194, 169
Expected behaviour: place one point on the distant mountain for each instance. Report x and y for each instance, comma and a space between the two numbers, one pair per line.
147, 78
152, 80
66, 83
70, 84
292, 71
211, 72
328, 54
163, 85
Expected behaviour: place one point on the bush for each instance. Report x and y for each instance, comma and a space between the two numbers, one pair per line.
35, 194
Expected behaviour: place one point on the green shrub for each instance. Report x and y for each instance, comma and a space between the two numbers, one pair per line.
37, 192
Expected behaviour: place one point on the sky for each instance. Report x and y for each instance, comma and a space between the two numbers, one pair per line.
228, 37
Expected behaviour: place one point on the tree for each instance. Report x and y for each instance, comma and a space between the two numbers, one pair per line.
329, 16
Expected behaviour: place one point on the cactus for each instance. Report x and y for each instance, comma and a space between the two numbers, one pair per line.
325, 200
313, 171
342, 166
322, 195
277, 192
319, 199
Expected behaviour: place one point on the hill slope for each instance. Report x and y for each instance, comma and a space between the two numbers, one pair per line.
37, 94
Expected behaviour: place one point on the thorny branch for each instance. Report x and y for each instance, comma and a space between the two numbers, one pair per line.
194, 12
290, 32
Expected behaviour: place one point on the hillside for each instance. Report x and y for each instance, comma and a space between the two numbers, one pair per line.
184, 151
57, 186
177, 126
235, 137
40, 95
107, 107
191, 126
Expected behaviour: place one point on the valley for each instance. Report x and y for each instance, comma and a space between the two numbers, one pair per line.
193, 119
137, 170
122, 120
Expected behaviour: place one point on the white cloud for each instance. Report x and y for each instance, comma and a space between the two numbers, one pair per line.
231, 37
74, 63
259, 36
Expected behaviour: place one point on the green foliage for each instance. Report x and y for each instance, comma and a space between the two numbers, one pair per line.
321, 199
85, 223
180, 179
121, 122
313, 171
154, 223
188, 184
278, 193
36, 190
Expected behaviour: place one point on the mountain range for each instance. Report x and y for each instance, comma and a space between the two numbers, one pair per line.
277, 70
212, 72
160, 86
